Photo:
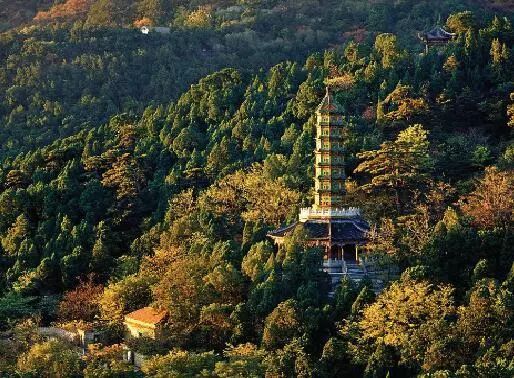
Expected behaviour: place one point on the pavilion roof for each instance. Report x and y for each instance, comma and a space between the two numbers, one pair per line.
438, 33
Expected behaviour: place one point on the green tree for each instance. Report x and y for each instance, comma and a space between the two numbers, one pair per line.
386, 45
52, 359
156, 10
129, 294
107, 362
282, 325
244, 360
254, 263
290, 361
401, 165
14, 306
365, 297
487, 317
510, 111
497, 361
402, 107
179, 363
183, 292
461, 22
110, 13
18, 232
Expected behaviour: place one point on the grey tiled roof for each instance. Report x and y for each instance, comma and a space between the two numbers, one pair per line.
438, 33
337, 230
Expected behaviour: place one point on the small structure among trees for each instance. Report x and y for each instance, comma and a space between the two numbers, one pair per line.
145, 322
155, 29
436, 36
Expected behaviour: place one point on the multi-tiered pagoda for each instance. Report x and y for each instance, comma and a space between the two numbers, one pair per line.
338, 230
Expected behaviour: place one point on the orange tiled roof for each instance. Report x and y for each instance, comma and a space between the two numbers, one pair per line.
147, 315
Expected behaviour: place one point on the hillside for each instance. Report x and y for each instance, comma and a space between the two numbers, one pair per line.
69, 11
125, 12
61, 78
142, 173
500, 5
14, 13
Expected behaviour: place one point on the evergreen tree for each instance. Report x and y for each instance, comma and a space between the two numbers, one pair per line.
401, 165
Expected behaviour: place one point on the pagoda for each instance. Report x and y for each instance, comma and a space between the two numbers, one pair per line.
437, 36
339, 231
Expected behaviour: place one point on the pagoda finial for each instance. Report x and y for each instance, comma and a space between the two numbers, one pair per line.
329, 104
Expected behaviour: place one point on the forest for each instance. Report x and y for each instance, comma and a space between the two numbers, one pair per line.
146, 170
57, 78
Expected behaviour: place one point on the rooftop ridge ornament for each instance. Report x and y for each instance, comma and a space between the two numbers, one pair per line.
328, 105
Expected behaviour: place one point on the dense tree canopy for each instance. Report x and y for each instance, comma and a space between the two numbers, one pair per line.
127, 180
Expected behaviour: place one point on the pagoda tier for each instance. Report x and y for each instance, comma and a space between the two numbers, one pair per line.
329, 180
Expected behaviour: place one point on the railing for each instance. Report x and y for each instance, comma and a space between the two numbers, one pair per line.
333, 263
339, 176
332, 163
310, 213
335, 266
329, 149
332, 122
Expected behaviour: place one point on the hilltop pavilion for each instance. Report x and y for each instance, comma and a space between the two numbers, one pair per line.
437, 36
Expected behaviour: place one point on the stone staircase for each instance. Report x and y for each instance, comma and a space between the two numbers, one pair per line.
355, 271
358, 272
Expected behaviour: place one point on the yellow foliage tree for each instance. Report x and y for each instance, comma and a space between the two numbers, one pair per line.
51, 359
409, 316
129, 294
491, 204
282, 325
252, 195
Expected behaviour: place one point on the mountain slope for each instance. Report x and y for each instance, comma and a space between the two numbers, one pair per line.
17, 12
70, 10
58, 79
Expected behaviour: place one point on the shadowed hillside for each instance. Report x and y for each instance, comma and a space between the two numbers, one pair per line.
59, 78
17, 12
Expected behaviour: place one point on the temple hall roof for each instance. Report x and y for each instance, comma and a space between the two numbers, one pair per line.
335, 230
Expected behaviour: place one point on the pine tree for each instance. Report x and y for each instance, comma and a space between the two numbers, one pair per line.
401, 165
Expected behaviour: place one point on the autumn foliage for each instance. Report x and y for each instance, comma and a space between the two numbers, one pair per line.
71, 9
492, 203
81, 303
